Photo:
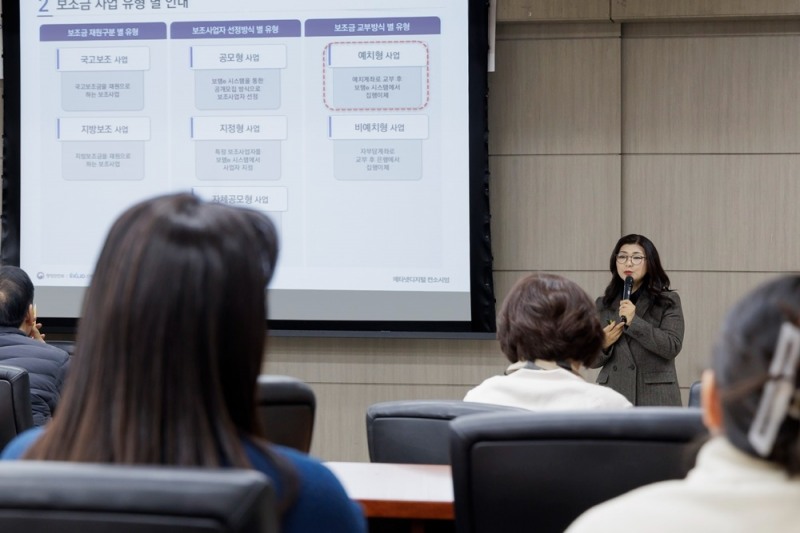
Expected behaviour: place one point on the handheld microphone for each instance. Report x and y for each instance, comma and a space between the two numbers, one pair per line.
627, 288
626, 295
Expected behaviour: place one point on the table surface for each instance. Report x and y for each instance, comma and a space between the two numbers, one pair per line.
387, 490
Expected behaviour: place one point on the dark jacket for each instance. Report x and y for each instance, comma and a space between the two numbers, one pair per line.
641, 364
46, 366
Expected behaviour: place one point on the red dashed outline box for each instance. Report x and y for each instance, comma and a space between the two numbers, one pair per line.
325, 69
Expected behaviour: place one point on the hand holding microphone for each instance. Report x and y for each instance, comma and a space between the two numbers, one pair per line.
626, 308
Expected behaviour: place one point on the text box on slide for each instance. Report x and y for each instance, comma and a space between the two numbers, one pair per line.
376, 76
382, 160
260, 198
256, 56
103, 59
266, 128
398, 88
102, 161
102, 91
237, 89
238, 160
378, 127
103, 129
272, 201
378, 54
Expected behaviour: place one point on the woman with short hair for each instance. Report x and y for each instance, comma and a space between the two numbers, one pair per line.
548, 329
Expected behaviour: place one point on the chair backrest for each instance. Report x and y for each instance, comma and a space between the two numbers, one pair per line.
67, 346
46, 496
287, 406
418, 431
694, 394
539, 471
15, 403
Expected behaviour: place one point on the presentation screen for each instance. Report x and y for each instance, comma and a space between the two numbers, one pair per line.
357, 126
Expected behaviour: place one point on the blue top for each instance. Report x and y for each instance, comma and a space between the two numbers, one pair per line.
321, 502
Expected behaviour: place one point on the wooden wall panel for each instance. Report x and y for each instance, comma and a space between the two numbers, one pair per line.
386, 361
711, 94
643, 10
593, 282
725, 28
573, 30
706, 298
554, 212
552, 10
716, 212
555, 96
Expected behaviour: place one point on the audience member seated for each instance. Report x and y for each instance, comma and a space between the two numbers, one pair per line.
747, 477
22, 345
171, 342
548, 328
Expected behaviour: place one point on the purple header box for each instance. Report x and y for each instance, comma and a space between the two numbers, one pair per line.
235, 29
375, 26
123, 31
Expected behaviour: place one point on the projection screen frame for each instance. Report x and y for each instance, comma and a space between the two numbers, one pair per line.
482, 301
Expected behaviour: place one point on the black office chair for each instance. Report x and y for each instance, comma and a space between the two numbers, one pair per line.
694, 394
286, 406
418, 431
15, 403
541, 470
47, 496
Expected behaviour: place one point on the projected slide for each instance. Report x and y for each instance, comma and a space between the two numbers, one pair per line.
345, 122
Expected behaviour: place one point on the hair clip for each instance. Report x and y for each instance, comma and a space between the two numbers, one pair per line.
778, 393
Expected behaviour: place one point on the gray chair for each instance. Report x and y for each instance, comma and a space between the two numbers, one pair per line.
286, 407
541, 470
694, 394
15, 403
47, 496
418, 431
67, 346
